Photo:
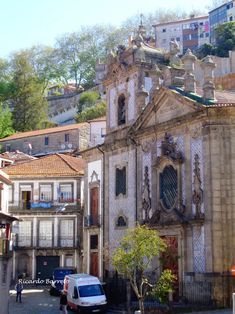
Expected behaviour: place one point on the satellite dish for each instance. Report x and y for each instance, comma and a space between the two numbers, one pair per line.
70, 145
62, 146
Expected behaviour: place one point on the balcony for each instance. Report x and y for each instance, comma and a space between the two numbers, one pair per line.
5, 248
24, 242
92, 221
30, 207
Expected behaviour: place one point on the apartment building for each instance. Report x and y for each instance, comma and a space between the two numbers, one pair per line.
190, 33
223, 13
46, 196
5, 243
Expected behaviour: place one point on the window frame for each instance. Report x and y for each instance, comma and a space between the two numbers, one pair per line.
66, 137
121, 104
46, 140
119, 193
71, 200
52, 191
158, 168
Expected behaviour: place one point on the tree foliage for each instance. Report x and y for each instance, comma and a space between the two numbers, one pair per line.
6, 128
225, 38
134, 257
86, 100
78, 52
205, 50
164, 286
29, 104
99, 110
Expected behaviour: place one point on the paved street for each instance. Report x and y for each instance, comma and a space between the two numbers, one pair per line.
37, 300
34, 301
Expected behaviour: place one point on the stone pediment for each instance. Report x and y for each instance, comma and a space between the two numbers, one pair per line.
166, 105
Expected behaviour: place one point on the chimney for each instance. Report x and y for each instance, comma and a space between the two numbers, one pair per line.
189, 77
208, 67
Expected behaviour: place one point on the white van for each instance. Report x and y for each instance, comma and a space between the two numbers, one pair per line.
85, 293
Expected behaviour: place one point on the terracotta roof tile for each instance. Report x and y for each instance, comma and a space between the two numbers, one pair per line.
56, 165
44, 131
98, 119
17, 156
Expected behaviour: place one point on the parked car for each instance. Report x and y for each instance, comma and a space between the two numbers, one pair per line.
59, 274
85, 293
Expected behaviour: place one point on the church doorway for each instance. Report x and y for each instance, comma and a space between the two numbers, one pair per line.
170, 260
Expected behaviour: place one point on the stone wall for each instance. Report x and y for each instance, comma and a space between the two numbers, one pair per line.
64, 108
78, 138
224, 71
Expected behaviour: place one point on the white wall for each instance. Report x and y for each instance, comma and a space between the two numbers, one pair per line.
94, 166
5, 194
122, 204
96, 132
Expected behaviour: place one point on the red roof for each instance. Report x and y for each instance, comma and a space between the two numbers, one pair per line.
44, 131
56, 165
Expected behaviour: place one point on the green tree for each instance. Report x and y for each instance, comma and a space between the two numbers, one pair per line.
87, 99
6, 128
225, 38
77, 53
99, 110
29, 104
134, 257
6, 84
43, 61
205, 50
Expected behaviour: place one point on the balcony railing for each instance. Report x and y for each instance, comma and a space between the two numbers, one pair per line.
92, 221
71, 205
22, 241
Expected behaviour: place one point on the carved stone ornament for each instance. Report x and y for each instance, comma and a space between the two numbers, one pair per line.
169, 148
94, 177
197, 197
147, 145
169, 205
146, 198
195, 132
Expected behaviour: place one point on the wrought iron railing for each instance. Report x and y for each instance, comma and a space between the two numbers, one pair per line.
72, 204
22, 241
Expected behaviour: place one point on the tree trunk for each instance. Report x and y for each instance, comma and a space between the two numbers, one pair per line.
141, 305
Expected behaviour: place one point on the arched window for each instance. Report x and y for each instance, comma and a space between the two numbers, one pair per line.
121, 222
168, 187
121, 110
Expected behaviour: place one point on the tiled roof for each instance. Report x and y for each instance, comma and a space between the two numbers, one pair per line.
44, 131
17, 156
98, 119
223, 98
56, 165
4, 177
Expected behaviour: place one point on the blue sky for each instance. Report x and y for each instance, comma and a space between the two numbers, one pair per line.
24, 23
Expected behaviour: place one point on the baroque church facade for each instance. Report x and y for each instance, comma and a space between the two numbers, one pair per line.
168, 161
